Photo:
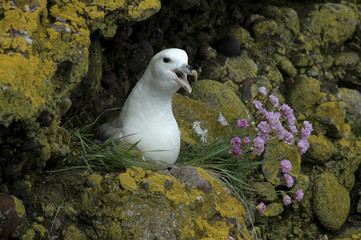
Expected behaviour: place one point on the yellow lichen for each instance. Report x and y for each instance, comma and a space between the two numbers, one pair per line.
127, 182
40, 229
142, 10
19, 207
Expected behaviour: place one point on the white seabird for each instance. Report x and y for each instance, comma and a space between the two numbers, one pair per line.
147, 114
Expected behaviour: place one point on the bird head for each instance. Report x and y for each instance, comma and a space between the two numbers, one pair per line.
170, 69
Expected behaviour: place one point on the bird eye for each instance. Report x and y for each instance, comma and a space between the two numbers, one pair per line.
166, 60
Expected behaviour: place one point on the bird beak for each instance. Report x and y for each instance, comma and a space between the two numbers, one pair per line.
181, 76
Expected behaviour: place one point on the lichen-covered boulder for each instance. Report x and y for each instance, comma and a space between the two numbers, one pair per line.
328, 24
233, 68
197, 120
155, 200
351, 102
12, 214
304, 94
332, 118
220, 97
44, 54
285, 65
321, 149
137, 204
331, 202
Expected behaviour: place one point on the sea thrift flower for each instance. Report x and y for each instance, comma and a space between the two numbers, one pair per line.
287, 200
299, 195
303, 145
230, 238
286, 166
261, 207
236, 151
262, 91
288, 138
258, 146
274, 100
242, 123
236, 141
257, 105
293, 129
246, 141
289, 180
286, 110
306, 130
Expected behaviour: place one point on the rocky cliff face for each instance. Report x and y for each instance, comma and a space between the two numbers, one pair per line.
62, 63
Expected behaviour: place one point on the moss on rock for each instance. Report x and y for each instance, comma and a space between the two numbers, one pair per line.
328, 24
220, 97
304, 94
321, 149
331, 116
331, 202
189, 111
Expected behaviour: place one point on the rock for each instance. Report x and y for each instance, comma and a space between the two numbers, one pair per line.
266, 191
234, 68
345, 59
155, 203
264, 28
329, 23
220, 97
301, 60
72, 232
228, 46
190, 177
243, 36
43, 61
285, 65
286, 17
304, 94
320, 151
331, 202
12, 214
351, 102
188, 112
331, 116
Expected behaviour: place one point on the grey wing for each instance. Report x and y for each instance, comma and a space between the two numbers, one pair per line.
108, 130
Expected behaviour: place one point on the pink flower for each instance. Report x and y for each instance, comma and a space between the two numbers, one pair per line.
246, 141
261, 207
299, 195
264, 127
289, 180
306, 130
287, 200
286, 166
303, 145
242, 123
258, 146
257, 105
274, 100
230, 238
286, 110
289, 138
273, 119
292, 128
262, 91
236, 141
236, 151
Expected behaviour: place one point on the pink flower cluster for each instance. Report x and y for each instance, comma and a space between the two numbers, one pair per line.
305, 133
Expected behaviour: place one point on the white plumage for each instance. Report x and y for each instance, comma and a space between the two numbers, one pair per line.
147, 113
